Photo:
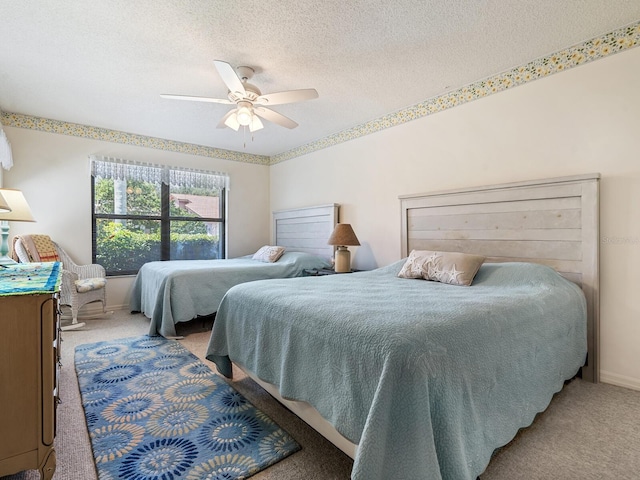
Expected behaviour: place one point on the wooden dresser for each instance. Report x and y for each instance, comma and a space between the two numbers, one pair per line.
29, 364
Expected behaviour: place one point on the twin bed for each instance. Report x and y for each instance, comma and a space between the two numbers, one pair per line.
424, 379
179, 291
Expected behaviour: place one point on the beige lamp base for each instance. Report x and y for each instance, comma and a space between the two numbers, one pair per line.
342, 260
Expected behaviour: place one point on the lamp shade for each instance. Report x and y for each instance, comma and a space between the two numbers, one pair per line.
4, 206
20, 211
244, 116
231, 120
343, 235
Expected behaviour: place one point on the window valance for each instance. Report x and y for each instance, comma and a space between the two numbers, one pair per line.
121, 169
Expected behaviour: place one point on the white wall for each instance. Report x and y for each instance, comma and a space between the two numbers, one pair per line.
53, 172
583, 120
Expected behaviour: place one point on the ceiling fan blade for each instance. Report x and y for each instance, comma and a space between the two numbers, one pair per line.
197, 99
275, 117
289, 96
255, 124
229, 77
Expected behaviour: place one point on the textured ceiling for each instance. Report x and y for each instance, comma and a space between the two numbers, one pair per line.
104, 63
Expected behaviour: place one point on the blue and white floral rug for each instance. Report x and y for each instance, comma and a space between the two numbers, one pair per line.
155, 411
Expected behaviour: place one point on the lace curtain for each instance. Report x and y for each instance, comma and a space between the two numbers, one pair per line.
6, 157
120, 169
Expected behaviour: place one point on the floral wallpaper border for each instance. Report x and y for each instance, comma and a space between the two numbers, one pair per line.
96, 133
621, 39
616, 41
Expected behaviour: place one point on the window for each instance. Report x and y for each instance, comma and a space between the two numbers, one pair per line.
143, 212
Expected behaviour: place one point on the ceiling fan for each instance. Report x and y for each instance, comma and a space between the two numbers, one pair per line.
250, 102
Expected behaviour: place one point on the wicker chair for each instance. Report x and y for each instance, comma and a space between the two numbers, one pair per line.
81, 284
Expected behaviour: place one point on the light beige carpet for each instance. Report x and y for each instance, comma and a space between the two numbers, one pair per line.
588, 432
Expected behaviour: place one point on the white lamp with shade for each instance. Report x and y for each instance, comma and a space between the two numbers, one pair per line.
342, 237
19, 212
4, 206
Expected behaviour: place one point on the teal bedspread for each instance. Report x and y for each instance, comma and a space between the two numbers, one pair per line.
180, 290
427, 378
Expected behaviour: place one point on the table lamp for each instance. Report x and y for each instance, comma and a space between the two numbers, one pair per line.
19, 212
342, 237
4, 206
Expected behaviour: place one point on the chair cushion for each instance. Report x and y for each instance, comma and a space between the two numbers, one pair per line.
88, 284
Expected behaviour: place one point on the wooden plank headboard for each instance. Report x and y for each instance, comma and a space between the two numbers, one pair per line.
553, 221
306, 229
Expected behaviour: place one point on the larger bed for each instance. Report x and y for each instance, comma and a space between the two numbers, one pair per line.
426, 379
178, 291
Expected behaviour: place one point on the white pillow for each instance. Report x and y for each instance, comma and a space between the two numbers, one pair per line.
447, 267
268, 254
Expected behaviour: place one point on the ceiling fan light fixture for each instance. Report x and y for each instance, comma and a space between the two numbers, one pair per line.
244, 116
232, 121
256, 124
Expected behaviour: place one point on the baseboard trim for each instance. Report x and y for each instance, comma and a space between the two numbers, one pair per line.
620, 380
92, 309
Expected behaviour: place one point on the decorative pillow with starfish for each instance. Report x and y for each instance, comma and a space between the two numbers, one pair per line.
454, 268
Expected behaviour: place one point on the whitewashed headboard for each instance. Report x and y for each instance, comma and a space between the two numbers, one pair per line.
306, 229
553, 221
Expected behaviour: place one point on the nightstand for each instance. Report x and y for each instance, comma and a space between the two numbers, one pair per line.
319, 272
